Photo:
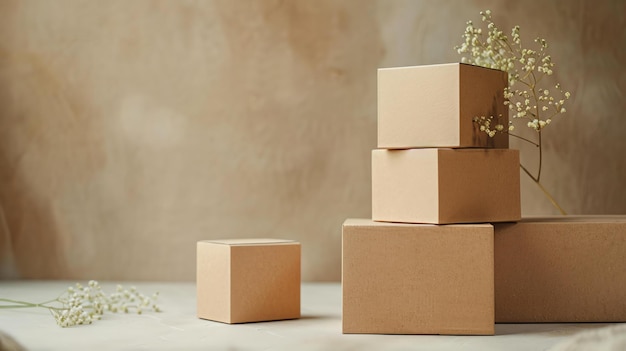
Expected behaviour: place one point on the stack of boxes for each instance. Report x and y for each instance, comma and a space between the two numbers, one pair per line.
424, 264
430, 261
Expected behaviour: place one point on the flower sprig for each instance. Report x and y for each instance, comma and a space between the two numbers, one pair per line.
80, 305
528, 95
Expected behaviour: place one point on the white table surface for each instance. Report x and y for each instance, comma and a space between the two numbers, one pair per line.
177, 328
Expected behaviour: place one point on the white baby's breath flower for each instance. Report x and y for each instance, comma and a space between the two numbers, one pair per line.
525, 67
527, 94
80, 305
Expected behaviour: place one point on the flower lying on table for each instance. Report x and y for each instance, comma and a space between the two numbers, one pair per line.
84, 304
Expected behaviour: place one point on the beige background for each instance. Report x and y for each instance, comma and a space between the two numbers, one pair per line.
132, 129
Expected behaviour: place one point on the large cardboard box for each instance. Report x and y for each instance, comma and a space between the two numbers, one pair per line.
248, 280
561, 269
417, 278
446, 185
434, 106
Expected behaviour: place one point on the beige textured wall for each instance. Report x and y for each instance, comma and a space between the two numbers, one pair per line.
132, 129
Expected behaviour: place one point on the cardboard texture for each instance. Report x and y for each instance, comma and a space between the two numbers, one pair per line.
248, 280
446, 185
434, 106
561, 269
417, 278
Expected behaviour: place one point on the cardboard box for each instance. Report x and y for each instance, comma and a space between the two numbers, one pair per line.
417, 278
446, 185
561, 269
434, 106
248, 280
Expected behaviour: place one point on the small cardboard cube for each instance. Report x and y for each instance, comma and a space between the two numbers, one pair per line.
248, 280
434, 106
561, 269
446, 185
417, 278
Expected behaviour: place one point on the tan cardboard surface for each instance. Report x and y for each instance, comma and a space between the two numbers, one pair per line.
446, 185
213, 281
481, 93
267, 284
561, 269
252, 241
433, 106
405, 185
238, 283
417, 278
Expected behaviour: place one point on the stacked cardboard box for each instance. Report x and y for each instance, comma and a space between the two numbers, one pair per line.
414, 268
561, 269
401, 278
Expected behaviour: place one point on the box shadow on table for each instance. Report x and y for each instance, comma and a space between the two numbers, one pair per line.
556, 329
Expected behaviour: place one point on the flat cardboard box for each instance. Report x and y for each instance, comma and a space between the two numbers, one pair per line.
561, 269
446, 185
248, 280
417, 278
434, 106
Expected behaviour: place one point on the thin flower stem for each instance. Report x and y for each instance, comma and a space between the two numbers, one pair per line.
545, 192
20, 303
534, 90
24, 304
528, 173
509, 46
540, 158
554, 203
539, 79
526, 140
49, 301
523, 82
